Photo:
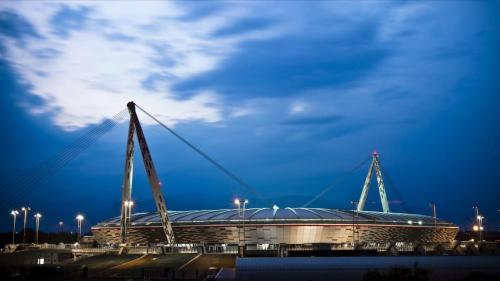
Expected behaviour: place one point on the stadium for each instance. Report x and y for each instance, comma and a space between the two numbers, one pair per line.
265, 227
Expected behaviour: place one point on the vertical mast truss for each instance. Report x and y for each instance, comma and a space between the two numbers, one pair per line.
380, 182
154, 182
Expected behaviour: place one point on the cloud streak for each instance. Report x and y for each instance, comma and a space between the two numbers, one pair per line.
86, 60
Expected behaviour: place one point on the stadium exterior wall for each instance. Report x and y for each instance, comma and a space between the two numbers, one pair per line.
299, 230
281, 234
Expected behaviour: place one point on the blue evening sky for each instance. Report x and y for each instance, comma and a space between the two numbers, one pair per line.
290, 96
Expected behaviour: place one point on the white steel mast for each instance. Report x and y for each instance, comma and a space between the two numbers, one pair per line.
381, 187
154, 182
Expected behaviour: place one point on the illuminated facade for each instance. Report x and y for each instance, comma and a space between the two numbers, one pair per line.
292, 226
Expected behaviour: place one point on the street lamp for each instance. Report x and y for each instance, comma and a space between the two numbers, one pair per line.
37, 226
25, 211
61, 224
128, 213
434, 216
476, 215
79, 219
480, 223
241, 202
241, 206
128, 207
14, 214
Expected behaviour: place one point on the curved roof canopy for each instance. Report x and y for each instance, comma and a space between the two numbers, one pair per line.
270, 215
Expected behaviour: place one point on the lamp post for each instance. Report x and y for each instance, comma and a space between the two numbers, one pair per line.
355, 209
37, 226
480, 219
14, 214
478, 226
61, 224
128, 212
130, 204
476, 214
434, 213
241, 206
79, 219
25, 213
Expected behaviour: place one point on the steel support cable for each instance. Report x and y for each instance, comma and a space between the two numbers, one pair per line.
33, 178
48, 168
388, 179
336, 182
209, 159
53, 164
44, 172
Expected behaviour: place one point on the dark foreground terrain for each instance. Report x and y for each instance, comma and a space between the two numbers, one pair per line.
177, 266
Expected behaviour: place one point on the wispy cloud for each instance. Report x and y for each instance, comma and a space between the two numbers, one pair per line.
298, 107
85, 60
208, 62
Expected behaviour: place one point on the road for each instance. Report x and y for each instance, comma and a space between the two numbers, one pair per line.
211, 260
96, 265
173, 261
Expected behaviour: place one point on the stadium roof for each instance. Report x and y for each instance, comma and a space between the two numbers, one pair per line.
270, 215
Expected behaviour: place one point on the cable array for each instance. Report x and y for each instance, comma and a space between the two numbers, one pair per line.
336, 182
17, 191
219, 166
389, 180
24, 184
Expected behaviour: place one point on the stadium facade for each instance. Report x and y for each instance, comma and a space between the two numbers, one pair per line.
273, 226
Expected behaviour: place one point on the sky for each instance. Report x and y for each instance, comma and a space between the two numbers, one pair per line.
289, 96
